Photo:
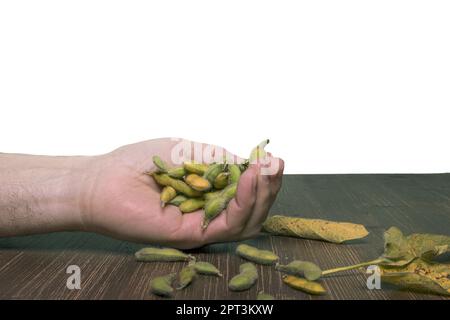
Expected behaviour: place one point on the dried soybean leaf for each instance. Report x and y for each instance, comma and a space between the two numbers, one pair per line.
299, 268
316, 229
428, 246
304, 285
400, 250
419, 276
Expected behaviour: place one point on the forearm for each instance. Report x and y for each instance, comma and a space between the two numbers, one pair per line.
40, 193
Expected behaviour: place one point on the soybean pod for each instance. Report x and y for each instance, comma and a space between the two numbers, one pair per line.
235, 173
186, 276
264, 296
151, 254
191, 205
258, 152
162, 286
212, 194
304, 285
167, 194
302, 269
256, 255
248, 274
176, 173
195, 167
221, 180
164, 179
206, 268
160, 164
214, 206
177, 200
213, 171
197, 182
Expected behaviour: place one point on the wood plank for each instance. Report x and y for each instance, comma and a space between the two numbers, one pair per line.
33, 267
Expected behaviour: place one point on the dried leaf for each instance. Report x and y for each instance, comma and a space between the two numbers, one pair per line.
400, 250
316, 229
419, 275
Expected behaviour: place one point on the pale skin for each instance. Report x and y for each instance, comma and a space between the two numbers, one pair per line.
111, 194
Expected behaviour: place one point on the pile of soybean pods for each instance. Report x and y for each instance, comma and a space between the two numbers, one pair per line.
194, 186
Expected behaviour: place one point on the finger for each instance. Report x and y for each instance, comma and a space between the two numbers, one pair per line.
264, 200
230, 223
268, 187
276, 179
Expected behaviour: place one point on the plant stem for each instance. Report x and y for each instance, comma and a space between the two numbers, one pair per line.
356, 266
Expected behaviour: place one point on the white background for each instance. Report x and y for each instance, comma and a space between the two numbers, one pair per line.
338, 86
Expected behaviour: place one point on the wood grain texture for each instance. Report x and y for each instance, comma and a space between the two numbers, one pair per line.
34, 267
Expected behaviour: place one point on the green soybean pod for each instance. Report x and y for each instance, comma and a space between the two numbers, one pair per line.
221, 180
301, 269
213, 171
191, 205
152, 254
258, 152
160, 164
177, 200
167, 194
162, 286
248, 274
195, 167
164, 179
212, 194
214, 206
264, 296
235, 173
206, 268
197, 182
230, 191
304, 285
256, 255
177, 172
186, 276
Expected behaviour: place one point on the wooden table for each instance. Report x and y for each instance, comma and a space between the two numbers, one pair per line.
34, 267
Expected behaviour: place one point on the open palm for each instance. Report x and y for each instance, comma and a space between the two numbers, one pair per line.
122, 201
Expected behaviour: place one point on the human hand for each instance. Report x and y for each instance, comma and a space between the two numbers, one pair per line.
121, 200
